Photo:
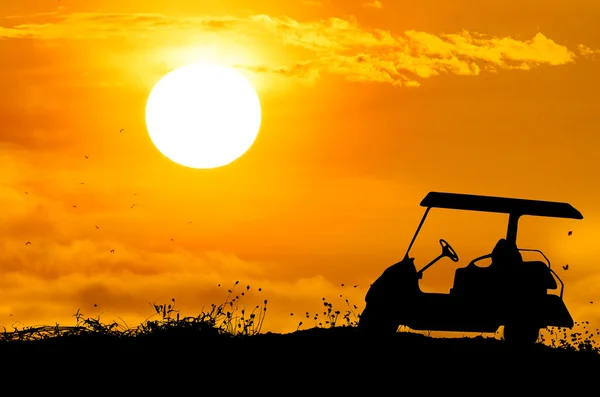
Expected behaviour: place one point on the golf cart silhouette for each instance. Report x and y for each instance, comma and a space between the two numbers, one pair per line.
509, 292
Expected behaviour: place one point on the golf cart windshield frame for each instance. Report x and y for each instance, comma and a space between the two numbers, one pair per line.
514, 207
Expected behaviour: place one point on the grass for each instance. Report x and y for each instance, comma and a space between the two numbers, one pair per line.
224, 319
231, 330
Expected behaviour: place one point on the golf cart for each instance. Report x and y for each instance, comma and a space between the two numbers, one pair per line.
509, 292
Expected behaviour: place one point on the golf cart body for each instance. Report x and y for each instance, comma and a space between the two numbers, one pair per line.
510, 292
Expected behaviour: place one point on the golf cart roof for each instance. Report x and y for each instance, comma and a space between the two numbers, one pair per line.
502, 205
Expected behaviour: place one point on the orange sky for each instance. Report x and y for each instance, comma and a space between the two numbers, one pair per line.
365, 110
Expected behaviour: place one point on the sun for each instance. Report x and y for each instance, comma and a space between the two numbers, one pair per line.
203, 115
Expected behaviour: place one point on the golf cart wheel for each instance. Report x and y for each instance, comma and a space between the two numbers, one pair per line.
521, 334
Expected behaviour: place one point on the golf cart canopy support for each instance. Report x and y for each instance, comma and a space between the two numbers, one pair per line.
514, 207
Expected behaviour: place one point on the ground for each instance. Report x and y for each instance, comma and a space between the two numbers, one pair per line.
339, 354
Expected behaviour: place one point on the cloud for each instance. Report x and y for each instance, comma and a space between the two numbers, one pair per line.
342, 46
587, 52
305, 70
331, 46
373, 4
48, 281
62, 271
84, 25
69, 266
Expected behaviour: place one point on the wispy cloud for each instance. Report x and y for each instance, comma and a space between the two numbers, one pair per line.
335, 45
373, 4
305, 70
587, 52
104, 25
342, 46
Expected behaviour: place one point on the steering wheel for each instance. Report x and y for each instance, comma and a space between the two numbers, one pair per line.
448, 251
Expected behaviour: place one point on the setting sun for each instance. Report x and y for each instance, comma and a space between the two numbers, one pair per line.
203, 115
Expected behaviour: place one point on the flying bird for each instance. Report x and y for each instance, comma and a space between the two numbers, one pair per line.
133, 205
121, 130
189, 222
173, 240
112, 251
82, 183
28, 243
570, 232
74, 206
566, 267
86, 157
26, 192
97, 227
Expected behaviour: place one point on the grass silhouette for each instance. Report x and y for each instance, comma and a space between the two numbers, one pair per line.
224, 319
230, 330
231, 319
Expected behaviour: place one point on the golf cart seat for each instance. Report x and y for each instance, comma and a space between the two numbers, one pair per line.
474, 280
505, 256
531, 273
525, 274
486, 280
507, 264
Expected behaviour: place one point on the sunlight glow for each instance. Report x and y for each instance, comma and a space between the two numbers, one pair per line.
203, 115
